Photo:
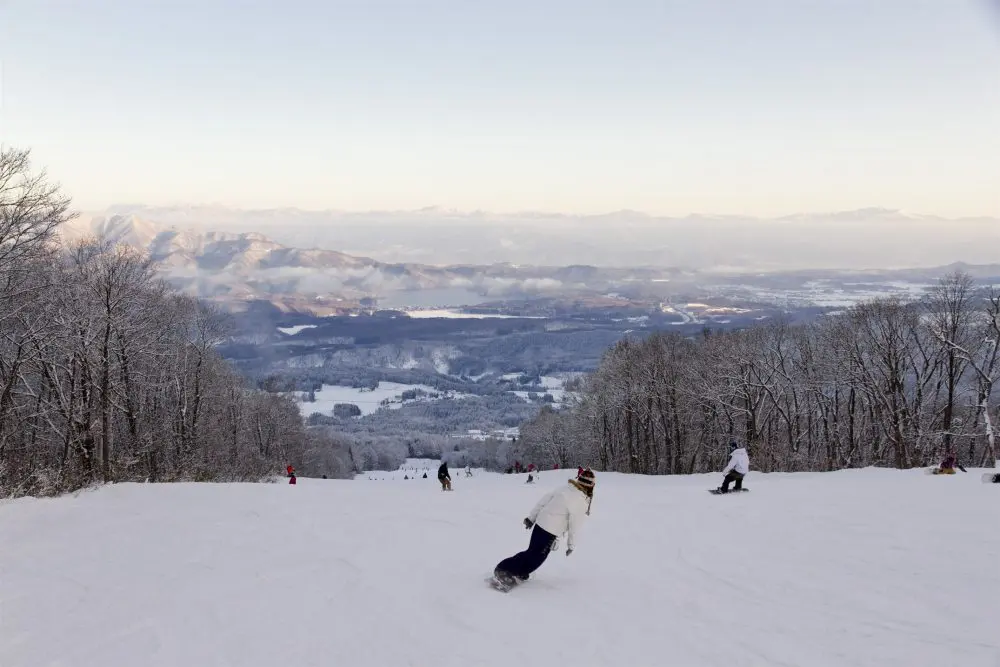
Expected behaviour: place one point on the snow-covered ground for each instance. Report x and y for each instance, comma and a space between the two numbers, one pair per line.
549, 384
387, 395
452, 314
298, 328
870, 567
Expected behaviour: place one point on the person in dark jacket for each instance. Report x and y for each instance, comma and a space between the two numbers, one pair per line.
444, 477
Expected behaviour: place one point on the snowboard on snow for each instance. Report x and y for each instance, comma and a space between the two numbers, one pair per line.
991, 478
717, 492
503, 585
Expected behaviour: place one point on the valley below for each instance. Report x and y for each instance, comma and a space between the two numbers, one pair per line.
415, 353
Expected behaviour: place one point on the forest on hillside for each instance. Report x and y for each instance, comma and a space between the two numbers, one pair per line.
885, 383
107, 375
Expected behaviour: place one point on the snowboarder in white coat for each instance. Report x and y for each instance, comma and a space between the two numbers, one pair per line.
558, 513
739, 466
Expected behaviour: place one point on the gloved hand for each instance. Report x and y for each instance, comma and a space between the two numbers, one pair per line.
569, 551
528, 524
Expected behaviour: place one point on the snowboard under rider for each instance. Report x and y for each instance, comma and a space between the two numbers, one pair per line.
737, 469
558, 513
444, 477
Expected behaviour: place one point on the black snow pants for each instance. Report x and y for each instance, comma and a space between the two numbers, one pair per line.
523, 564
732, 476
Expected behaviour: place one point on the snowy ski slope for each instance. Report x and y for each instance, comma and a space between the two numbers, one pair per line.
870, 567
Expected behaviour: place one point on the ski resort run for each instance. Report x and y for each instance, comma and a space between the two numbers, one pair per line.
873, 567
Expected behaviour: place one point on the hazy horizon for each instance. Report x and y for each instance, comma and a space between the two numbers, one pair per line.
864, 239
721, 107
125, 207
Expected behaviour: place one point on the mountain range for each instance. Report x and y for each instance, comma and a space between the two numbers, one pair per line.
858, 239
237, 267
286, 256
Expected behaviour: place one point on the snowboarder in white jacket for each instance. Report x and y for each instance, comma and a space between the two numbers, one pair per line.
739, 466
558, 513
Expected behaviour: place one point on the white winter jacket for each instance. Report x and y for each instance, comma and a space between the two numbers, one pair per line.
561, 512
738, 461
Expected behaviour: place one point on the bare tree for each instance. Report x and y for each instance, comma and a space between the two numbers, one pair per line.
881, 384
950, 318
106, 375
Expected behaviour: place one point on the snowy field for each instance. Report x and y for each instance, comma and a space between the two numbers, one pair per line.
298, 328
871, 567
388, 395
452, 314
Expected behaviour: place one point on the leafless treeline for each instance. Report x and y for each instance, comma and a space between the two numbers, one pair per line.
107, 375
885, 383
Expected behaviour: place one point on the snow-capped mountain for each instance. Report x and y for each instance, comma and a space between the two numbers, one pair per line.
242, 266
619, 252
212, 251
855, 239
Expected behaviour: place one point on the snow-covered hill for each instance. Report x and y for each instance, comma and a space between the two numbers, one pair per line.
856, 239
870, 567
195, 249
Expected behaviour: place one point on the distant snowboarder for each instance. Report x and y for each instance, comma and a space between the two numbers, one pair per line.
444, 477
291, 474
948, 465
558, 513
739, 466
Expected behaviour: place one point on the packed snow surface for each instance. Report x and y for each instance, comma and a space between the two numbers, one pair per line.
298, 328
869, 567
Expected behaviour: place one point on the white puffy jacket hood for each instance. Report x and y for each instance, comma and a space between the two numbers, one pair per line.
561, 512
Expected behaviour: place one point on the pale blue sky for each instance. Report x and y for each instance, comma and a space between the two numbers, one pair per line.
666, 106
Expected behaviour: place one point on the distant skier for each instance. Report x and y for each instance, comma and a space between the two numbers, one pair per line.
739, 466
444, 477
291, 474
558, 513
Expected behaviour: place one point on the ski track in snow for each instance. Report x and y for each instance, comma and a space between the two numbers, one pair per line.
869, 567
